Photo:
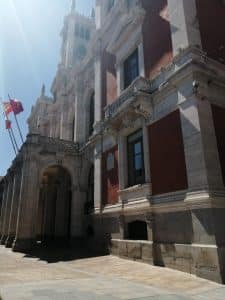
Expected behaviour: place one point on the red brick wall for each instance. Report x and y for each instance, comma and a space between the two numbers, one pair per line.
109, 82
219, 123
167, 160
110, 180
156, 36
211, 16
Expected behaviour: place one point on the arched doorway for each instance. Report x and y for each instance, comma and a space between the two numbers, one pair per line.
54, 209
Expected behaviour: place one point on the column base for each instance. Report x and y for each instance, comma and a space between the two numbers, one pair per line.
9, 241
3, 239
23, 245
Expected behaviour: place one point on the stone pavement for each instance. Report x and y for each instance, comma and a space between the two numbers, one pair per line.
72, 276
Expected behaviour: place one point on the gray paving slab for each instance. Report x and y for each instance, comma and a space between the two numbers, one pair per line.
98, 278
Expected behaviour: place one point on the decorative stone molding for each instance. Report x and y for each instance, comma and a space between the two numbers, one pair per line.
137, 95
126, 25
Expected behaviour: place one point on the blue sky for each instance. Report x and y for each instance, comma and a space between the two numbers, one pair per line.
29, 54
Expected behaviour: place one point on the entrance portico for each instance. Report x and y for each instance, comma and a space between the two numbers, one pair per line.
41, 194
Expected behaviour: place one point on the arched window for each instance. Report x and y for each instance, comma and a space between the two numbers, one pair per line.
91, 114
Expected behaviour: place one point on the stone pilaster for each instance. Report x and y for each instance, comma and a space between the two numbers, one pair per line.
193, 148
146, 153
98, 177
77, 211
4, 200
184, 24
201, 153
14, 209
122, 150
28, 203
98, 82
7, 209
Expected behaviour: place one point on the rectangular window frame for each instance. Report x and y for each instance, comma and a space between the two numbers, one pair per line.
127, 78
133, 177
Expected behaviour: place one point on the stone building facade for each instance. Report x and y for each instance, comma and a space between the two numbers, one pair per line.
129, 154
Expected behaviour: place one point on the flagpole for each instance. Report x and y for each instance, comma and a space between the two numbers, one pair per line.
18, 127
11, 134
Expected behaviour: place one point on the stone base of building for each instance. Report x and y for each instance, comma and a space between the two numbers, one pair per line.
3, 239
9, 241
206, 261
23, 245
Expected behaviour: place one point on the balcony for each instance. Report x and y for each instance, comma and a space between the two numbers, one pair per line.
137, 95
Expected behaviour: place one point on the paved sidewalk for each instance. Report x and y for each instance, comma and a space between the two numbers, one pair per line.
98, 278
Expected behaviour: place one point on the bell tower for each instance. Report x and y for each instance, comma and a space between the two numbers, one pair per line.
76, 34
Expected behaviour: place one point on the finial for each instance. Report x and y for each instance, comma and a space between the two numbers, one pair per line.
43, 90
73, 6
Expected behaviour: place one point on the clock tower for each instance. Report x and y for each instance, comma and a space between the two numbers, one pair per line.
76, 34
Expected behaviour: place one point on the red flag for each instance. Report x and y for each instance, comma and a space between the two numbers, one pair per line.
17, 106
8, 124
7, 108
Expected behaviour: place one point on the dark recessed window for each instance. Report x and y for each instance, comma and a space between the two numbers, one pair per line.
110, 4
87, 34
136, 170
77, 30
131, 68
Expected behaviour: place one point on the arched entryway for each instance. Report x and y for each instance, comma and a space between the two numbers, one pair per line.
54, 208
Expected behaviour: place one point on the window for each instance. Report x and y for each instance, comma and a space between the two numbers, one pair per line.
131, 68
87, 34
110, 4
137, 230
110, 162
136, 171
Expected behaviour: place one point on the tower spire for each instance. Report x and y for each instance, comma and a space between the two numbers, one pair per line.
73, 6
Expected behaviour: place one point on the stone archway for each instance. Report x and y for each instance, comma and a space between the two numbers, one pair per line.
54, 205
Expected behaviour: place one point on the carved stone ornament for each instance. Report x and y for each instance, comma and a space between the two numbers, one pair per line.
149, 218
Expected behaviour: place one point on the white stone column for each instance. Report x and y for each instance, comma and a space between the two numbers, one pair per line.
7, 209
28, 204
80, 114
146, 152
14, 209
98, 83
122, 163
193, 148
141, 59
201, 154
209, 142
4, 200
98, 117
184, 24
98, 177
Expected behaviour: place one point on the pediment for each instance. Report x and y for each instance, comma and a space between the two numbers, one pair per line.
125, 26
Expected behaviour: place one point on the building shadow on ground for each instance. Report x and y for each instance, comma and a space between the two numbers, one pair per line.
55, 252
